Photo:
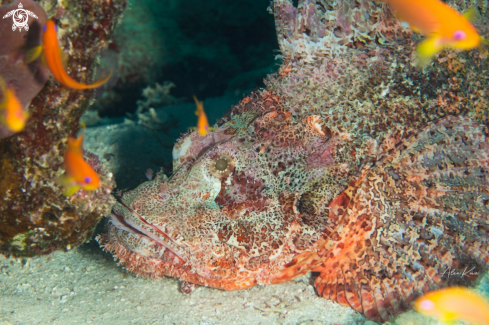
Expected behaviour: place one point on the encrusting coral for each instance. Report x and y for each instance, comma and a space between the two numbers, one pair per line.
35, 217
352, 163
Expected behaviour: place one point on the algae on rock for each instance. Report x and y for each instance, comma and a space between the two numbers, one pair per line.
35, 217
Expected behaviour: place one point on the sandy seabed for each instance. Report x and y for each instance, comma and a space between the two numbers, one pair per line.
85, 286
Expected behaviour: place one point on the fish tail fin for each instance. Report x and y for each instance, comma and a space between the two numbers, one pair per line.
426, 50
76, 144
200, 106
32, 54
99, 82
484, 41
472, 14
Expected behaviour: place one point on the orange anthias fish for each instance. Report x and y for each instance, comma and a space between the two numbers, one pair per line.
52, 56
12, 113
443, 26
79, 174
455, 303
202, 123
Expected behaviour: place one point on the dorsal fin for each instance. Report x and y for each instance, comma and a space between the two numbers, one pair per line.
200, 106
76, 144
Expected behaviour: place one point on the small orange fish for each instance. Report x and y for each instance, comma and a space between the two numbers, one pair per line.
442, 24
52, 57
12, 113
454, 303
202, 123
79, 174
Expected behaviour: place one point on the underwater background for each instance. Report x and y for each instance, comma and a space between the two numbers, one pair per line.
163, 53
160, 54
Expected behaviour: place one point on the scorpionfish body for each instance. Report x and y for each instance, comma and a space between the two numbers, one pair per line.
352, 163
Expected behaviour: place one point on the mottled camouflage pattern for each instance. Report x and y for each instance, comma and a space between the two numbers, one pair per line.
352, 163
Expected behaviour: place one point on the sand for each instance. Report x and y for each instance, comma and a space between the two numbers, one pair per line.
85, 286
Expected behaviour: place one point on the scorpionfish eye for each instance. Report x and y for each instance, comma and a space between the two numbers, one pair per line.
221, 166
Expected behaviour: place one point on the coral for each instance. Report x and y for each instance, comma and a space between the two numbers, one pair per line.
158, 95
352, 163
25, 79
36, 218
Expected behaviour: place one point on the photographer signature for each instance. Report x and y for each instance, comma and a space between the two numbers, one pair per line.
465, 273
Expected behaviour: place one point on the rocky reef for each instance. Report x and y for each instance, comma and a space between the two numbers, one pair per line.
25, 79
353, 163
35, 217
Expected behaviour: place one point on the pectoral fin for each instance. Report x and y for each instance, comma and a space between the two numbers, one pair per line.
69, 191
32, 54
472, 15
379, 248
449, 318
426, 50
69, 184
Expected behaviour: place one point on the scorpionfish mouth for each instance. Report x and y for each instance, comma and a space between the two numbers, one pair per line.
144, 237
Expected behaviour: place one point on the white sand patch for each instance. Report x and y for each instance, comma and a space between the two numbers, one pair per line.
85, 286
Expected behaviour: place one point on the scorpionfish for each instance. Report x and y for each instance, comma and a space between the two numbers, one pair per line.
352, 163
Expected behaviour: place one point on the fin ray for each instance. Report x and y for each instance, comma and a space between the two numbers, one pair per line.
397, 230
